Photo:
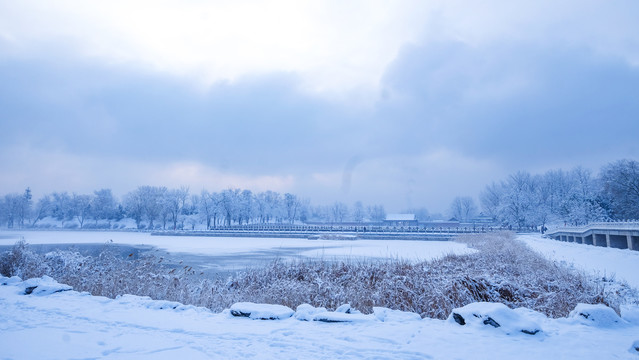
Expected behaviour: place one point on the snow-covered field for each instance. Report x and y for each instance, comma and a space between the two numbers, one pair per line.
61, 325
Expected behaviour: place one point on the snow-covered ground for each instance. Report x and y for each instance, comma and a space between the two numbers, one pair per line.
61, 325
72, 325
623, 264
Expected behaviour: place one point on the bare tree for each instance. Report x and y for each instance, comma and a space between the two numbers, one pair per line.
339, 212
491, 198
463, 208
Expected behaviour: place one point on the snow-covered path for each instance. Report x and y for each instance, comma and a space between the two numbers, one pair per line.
623, 264
71, 325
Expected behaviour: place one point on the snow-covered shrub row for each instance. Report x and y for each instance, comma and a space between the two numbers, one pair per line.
503, 271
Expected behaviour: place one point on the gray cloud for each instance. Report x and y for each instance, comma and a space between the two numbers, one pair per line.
517, 104
450, 117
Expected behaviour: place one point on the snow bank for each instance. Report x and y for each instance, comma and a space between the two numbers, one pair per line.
74, 325
630, 313
495, 315
261, 311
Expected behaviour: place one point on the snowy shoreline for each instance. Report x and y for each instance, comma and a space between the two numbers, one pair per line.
69, 324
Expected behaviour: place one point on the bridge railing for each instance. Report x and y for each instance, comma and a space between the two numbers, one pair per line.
375, 229
617, 225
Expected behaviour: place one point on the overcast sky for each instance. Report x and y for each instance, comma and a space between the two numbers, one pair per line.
403, 103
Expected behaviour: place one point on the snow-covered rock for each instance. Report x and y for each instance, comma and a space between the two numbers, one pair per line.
147, 302
261, 311
43, 286
306, 312
334, 317
495, 315
346, 309
344, 313
634, 349
9, 280
595, 315
386, 314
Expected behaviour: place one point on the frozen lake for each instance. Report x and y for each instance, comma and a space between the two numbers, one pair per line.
214, 255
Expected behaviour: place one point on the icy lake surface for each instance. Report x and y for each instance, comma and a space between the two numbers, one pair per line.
222, 254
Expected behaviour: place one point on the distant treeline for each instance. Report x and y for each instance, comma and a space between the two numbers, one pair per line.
522, 200
154, 207
573, 197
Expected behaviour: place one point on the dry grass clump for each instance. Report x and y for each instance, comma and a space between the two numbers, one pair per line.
503, 270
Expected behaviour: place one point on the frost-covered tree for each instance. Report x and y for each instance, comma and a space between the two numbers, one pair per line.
81, 207
519, 200
358, 212
270, 205
206, 205
174, 202
292, 205
103, 205
230, 205
41, 209
339, 212
246, 206
620, 188
62, 206
145, 202
10, 208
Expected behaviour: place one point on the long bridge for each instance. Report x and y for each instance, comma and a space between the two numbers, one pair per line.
620, 235
339, 232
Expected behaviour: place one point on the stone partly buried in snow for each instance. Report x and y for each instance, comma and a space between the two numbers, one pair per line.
344, 313
261, 311
496, 315
596, 315
43, 286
